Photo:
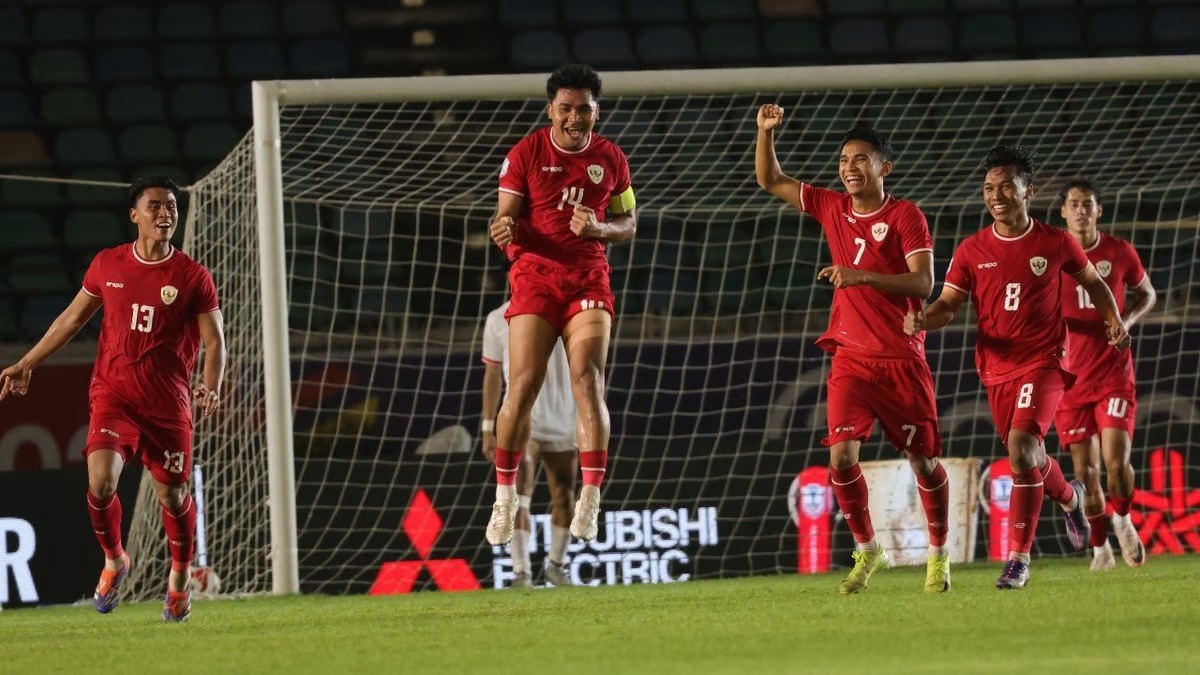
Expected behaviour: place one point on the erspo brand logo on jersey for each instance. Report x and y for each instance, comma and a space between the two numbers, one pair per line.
423, 525
648, 546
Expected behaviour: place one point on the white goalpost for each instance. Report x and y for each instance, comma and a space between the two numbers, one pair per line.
347, 236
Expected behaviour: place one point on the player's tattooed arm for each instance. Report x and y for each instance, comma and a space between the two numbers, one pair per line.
766, 165
1102, 298
14, 380
1145, 297
619, 228
207, 392
504, 224
937, 315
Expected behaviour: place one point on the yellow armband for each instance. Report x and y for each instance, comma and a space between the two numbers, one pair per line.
622, 203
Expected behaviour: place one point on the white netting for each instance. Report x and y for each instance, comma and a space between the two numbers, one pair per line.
715, 387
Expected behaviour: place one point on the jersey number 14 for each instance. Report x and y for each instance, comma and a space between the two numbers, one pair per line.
572, 196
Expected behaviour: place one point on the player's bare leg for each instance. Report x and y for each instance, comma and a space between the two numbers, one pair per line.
1085, 456
179, 522
850, 490
933, 485
562, 470
104, 508
586, 336
522, 527
1117, 446
530, 342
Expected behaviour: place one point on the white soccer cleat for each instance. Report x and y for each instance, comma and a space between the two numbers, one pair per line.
1132, 548
587, 511
1102, 558
504, 516
556, 574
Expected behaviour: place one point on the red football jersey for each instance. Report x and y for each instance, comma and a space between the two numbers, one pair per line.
553, 181
1100, 369
864, 320
1015, 284
149, 335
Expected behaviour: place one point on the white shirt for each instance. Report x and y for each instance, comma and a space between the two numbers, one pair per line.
554, 412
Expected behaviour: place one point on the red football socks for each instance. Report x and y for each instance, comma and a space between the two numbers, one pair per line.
1025, 505
507, 463
180, 527
1057, 487
1099, 525
593, 463
935, 499
106, 523
1121, 504
850, 489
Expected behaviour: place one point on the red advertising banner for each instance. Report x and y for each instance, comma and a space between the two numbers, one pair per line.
999, 491
812, 501
46, 428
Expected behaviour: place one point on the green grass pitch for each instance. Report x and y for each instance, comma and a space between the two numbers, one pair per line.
1067, 621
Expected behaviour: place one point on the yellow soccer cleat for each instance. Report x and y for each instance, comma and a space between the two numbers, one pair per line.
937, 574
866, 563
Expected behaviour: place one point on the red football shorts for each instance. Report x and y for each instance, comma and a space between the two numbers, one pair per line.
165, 448
1027, 402
897, 392
1117, 411
557, 293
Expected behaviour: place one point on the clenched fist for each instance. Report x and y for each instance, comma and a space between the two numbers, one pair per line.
502, 231
914, 322
769, 116
584, 223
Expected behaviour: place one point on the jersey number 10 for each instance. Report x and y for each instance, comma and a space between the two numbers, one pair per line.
142, 319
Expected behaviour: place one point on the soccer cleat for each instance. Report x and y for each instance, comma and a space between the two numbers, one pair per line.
504, 516
556, 574
937, 574
587, 511
1102, 558
1132, 548
1078, 528
178, 606
1016, 575
522, 580
866, 563
108, 589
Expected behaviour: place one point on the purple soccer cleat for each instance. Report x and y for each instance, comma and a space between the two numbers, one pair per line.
108, 589
178, 606
1016, 575
1078, 528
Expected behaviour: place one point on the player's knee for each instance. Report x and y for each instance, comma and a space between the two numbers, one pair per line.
522, 392
102, 486
1023, 450
562, 497
588, 386
921, 465
842, 456
173, 496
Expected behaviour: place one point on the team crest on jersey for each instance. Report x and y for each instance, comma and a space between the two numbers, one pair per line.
1038, 264
1104, 267
596, 173
879, 231
168, 294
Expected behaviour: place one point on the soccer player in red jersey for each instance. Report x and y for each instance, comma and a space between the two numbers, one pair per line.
883, 269
159, 306
565, 193
1102, 404
1012, 272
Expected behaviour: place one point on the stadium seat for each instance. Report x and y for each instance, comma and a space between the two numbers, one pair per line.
123, 23
39, 274
32, 194
604, 48
987, 32
789, 8
1050, 30
186, 21
58, 66
83, 147
210, 141
925, 35
667, 46
25, 230
1046, 4
528, 13
110, 196
538, 50
1176, 25
148, 143
10, 330
175, 172
1115, 28
917, 6
124, 64
247, 19
845, 7
976, 5
74, 106
662, 11
189, 62
859, 37
136, 103
57, 25
90, 230
16, 111
730, 44
39, 312
311, 17
200, 102
254, 61
720, 10
592, 13
12, 26
320, 57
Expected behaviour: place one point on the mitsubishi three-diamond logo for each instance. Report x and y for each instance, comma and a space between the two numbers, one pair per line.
1167, 515
422, 525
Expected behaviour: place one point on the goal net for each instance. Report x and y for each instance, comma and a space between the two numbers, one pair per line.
715, 386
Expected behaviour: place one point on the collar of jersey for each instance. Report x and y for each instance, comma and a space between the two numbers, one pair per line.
591, 137
1019, 236
133, 249
887, 199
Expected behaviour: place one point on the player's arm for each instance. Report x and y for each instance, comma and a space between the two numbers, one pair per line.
1102, 298
504, 223
1145, 297
493, 378
212, 335
15, 378
916, 283
766, 164
937, 315
621, 225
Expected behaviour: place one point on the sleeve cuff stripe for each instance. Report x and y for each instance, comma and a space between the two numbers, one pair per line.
960, 289
916, 251
94, 295
512, 192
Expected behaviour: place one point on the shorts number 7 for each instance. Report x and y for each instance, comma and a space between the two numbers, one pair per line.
911, 430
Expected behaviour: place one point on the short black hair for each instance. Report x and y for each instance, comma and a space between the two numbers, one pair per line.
877, 139
143, 183
573, 76
1079, 184
1018, 156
